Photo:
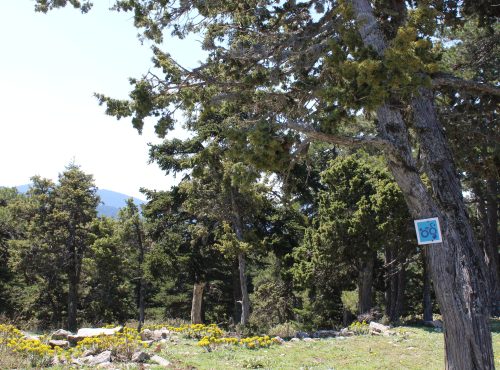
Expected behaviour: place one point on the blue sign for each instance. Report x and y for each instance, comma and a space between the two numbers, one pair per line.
428, 231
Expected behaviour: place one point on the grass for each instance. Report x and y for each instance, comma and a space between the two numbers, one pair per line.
411, 348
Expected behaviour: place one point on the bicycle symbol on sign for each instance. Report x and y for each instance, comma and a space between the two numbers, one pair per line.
428, 231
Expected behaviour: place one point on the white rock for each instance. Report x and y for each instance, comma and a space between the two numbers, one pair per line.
295, 340
160, 360
100, 358
378, 328
160, 334
146, 334
60, 334
93, 332
59, 343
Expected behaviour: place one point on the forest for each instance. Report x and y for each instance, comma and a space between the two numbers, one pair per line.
319, 130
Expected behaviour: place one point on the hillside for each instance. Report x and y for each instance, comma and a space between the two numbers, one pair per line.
111, 201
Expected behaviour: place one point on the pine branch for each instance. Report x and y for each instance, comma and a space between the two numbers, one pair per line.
348, 141
449, 80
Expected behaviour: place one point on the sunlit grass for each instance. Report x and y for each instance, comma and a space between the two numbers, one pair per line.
409, 348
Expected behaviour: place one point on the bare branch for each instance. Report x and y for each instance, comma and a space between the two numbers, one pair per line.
452, 81
348, 141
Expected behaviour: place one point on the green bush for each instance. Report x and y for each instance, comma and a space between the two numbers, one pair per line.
285, 330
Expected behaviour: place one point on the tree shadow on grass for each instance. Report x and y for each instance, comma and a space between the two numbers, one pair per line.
495, 325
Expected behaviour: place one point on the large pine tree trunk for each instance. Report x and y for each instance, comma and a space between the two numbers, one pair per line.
426, 298
457, 266
197, 303
365, 283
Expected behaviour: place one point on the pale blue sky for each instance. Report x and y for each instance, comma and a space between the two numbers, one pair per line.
50, 66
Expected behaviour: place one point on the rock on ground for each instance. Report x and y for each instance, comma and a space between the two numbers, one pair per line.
100, 358
60, 334
92, 332
160, 360
325, 334
59, 343
377, 328
140, 356
279, 340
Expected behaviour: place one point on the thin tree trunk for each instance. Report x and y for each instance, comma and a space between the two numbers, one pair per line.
426, 299
197, 303
365, 283
245, 300
142, 283
395, 285
390, 289
73, 279
487, 207
457, 265
142, 290
238, 229
72, 305
400, 293
236, 291
491, 244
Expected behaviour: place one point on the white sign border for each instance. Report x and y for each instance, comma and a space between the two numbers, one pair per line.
440, 240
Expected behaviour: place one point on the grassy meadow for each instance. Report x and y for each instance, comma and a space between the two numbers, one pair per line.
409, 348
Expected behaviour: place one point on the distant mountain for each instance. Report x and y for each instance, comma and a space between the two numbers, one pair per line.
111, 201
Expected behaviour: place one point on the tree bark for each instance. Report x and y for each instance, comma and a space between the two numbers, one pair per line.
426, 299
486, 193
245, 300
457, 266
197, 303
365, 283
236, 291
142, 283
395, 285
491, 244
238, 229
72, 299
73, 279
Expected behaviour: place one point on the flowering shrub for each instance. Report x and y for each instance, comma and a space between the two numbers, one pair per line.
359, 328
8, 332
122, 345
38, 352
210, 343
194, 331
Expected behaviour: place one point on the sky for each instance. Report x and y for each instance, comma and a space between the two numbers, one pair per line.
50, 67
